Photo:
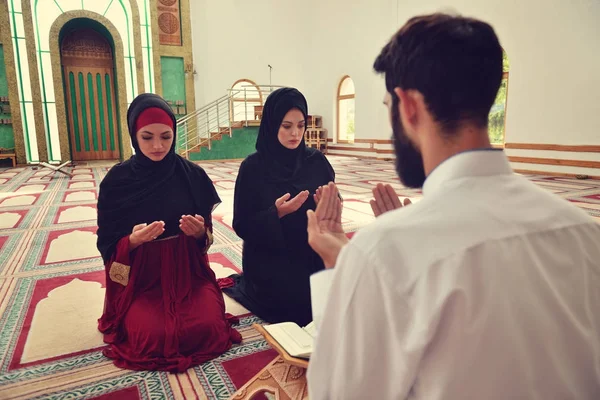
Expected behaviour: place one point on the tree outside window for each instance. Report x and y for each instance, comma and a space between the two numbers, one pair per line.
497, 116
345, 110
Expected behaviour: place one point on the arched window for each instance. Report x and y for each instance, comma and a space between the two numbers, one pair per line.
245, 95
497, 118
345, 110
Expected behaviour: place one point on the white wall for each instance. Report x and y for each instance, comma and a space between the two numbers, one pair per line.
348, 40
553, 48
310, 45
554, 78
235, 39
554, 53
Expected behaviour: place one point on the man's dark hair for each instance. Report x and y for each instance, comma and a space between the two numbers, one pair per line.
455, 62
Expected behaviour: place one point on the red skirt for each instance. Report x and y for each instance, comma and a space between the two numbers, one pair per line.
170, 316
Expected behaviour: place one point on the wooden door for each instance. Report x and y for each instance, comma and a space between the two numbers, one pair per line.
89, 80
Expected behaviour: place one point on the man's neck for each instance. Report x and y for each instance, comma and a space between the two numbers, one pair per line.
439, 148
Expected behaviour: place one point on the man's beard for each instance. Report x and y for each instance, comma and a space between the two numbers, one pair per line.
409, 162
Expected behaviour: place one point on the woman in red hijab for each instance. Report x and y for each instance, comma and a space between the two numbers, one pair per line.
163, 309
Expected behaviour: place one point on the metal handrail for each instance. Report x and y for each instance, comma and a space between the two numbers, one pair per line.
200, 110
196, 128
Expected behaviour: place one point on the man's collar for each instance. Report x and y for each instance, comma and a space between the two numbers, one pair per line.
470, 163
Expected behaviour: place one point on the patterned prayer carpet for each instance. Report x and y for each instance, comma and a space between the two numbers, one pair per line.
51, 283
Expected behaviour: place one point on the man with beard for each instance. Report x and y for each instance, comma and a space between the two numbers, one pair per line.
487, 288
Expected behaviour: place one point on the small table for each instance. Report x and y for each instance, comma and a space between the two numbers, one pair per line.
57, 168
6, 153
285, 376
258, 112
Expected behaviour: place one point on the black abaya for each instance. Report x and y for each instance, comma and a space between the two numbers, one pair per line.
277, 260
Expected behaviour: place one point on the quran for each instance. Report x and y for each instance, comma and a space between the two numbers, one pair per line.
297, 341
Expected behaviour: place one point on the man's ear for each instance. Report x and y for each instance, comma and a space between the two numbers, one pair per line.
407, 107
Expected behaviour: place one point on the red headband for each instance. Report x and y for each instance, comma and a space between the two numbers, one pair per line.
153, 115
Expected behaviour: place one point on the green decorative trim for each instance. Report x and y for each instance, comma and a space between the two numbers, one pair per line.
21, 87
90, 81
12, 83
110, 112
137, 78
74, 111
58, 5
138, 50
109, 4
129, 45
84, 119
149, 45
7, 137
129, 57
101, 110
44, 96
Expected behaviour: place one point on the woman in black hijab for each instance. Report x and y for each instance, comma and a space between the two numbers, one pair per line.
163, 309
272, 194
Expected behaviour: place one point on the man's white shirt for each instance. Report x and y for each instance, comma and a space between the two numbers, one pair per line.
487, 288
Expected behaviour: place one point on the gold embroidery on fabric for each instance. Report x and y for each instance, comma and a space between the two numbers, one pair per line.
209, 240
119, 273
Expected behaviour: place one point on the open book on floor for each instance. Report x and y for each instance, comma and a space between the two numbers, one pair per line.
297, 341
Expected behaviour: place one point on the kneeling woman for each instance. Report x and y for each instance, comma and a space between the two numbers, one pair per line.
273, 191
163, 308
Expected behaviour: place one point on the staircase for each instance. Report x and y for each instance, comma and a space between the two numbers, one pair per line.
239, 108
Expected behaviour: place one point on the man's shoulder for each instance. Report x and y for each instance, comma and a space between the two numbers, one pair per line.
440, 225
403, 221
396, 236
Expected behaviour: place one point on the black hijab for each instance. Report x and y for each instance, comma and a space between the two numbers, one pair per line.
127, 191
281, 164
